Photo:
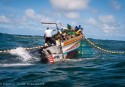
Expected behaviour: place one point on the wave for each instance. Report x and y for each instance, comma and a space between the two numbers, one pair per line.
16, 64
20, 55
78, 59
23, 55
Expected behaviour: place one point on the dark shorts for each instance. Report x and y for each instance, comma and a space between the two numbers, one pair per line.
50, 40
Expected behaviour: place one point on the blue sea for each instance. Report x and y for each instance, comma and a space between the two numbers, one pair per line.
90, 68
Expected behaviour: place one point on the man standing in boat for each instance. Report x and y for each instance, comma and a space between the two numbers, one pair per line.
48, 37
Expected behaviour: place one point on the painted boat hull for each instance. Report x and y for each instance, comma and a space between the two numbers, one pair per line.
69, 49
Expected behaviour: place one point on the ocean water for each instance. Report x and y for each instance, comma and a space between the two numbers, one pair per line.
90, 68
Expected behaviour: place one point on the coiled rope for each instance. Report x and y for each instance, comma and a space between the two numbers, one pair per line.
105, 50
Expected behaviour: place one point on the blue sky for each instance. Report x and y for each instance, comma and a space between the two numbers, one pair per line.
101, 19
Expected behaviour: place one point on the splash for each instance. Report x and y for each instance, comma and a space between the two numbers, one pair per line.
17, 64
79, 59
22, 53
73, 60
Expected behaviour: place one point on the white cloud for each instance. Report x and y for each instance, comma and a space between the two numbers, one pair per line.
107, 28
94, 10
47, 19
72, 15
69, 8
107, 24
73, 23
4, 19
107, 19
91, 21
58, 15
31, 14
116, 5
30, 20
36, 19
70, 4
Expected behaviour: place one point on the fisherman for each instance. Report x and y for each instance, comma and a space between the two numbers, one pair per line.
79, 27
79, 32
69, 26
48, 37
64, 36
76, 28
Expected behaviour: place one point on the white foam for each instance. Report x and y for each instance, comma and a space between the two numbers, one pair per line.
17, 64
78, 59
89, 58
22, 53
73, 60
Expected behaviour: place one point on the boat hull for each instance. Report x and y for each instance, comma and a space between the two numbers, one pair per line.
69, 49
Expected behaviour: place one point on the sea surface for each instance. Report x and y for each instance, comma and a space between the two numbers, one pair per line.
90, 68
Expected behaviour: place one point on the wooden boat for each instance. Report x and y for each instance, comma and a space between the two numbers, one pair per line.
69, 48
64, 50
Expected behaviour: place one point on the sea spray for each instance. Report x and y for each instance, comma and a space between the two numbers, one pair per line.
79, 59
15, 65
22, 53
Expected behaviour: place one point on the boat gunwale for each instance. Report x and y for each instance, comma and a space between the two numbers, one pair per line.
72, 40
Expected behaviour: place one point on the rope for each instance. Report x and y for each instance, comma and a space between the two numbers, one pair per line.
7, 51
37, 47
105, 50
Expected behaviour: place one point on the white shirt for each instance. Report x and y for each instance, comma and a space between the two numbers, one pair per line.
48, 33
